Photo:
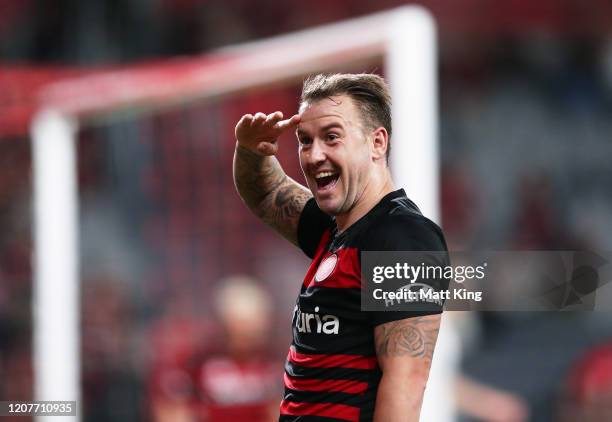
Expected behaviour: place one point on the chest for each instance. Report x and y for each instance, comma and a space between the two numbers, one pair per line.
330, 294
338, 269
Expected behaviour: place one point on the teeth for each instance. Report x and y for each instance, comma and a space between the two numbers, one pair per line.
324, 174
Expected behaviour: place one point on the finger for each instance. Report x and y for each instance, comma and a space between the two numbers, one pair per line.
243, 123
246, 119
267, 148
273, 118
288, 123
259, 118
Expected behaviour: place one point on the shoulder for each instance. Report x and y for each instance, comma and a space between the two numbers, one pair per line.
403, 228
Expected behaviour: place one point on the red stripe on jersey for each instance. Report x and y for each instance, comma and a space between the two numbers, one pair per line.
320, 251
345, 275
331, 361
326, 410
340, 386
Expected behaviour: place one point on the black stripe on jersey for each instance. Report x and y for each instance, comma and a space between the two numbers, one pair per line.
330, 373
369, 352
335, 346
355, 400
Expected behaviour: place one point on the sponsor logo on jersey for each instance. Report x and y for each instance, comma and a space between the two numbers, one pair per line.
316, 323
326, 267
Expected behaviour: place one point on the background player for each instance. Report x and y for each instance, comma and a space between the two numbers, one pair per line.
378, 364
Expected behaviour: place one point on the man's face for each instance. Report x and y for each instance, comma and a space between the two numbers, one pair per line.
334, 152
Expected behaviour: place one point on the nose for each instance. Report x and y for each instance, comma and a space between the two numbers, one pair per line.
317, 152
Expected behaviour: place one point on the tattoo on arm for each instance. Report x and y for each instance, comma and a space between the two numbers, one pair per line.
272, 195
415, 337
256, 176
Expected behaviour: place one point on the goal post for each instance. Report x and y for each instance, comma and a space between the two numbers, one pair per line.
403, 39
55, 301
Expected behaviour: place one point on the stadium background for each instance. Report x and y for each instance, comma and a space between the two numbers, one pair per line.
525, 105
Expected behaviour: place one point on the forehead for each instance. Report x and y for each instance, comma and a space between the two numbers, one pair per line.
339, 108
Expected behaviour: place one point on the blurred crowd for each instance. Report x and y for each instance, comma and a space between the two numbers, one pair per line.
172, 332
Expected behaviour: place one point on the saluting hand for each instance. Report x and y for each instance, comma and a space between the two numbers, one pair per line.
259, 133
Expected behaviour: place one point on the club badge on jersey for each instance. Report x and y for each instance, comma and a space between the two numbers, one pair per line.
326, 267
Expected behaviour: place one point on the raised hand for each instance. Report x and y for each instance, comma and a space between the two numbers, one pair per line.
259, 133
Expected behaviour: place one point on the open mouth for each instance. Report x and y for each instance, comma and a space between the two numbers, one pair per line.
326, 180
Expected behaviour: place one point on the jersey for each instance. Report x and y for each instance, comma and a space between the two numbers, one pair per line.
331, 371
219, 378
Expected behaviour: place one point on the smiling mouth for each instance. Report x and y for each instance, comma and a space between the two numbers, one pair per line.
326, 180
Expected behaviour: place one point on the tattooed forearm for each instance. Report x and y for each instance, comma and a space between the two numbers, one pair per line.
256, 176
282, 208
404, 350
273, 196
415, 337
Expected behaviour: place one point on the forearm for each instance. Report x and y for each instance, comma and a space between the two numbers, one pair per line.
399, 398
256, 177
404, 349
271, 195
489, 403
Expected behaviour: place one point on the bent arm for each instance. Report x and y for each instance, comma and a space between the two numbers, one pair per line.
269, 193
404, 350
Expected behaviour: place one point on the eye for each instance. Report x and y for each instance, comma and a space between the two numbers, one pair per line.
304, 141
332, 136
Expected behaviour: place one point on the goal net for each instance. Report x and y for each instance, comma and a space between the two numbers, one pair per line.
136, 217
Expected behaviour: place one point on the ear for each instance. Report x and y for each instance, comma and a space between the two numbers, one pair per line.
380, 143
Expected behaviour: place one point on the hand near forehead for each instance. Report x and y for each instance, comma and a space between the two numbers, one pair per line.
260, 132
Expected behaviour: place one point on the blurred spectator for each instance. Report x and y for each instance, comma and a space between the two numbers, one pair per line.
232, 377
489, 404
588, 392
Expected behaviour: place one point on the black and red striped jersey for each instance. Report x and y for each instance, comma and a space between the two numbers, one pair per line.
331, 372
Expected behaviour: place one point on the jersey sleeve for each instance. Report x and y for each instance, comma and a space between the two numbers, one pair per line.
311, 226
405, 233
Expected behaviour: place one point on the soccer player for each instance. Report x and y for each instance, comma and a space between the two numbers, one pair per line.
343, 364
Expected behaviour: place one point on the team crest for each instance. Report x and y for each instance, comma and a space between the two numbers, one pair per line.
326, 268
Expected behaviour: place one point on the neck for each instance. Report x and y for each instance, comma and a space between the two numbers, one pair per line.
371, 195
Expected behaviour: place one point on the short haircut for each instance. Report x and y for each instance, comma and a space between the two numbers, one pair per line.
370, 93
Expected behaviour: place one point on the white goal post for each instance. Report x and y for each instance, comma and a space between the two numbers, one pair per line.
404, 39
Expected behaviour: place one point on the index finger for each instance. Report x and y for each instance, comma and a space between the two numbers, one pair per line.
288, 123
